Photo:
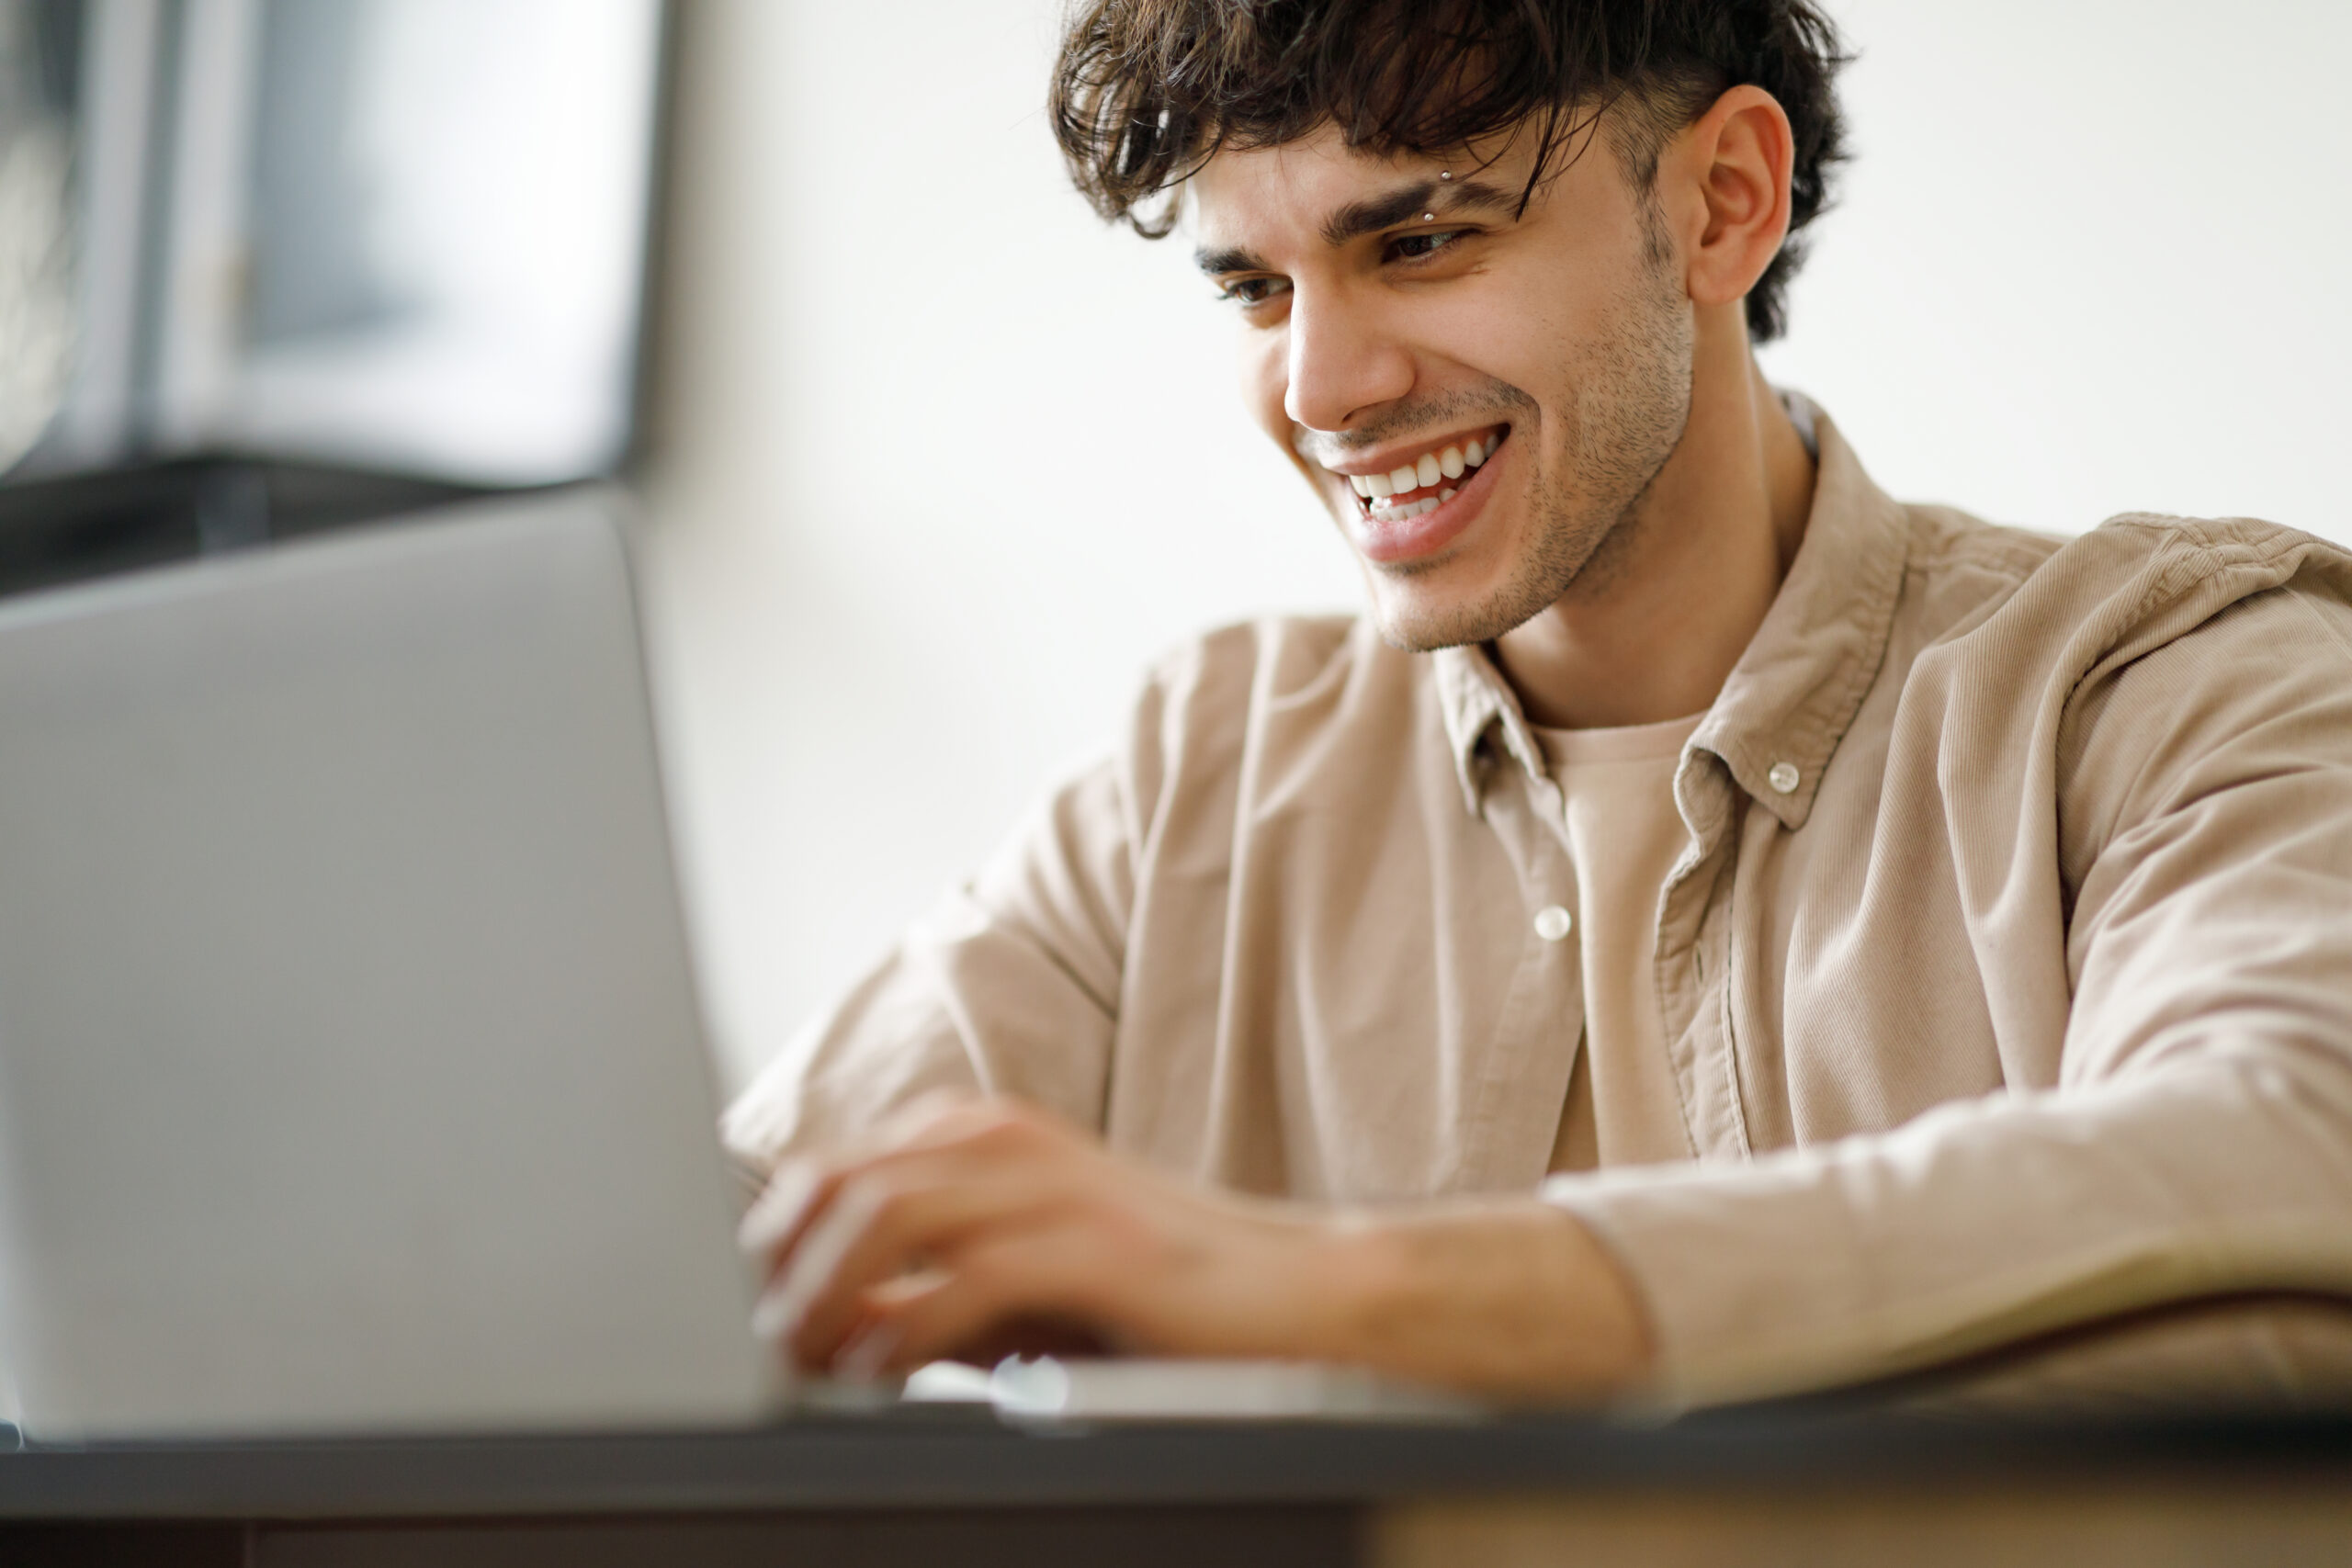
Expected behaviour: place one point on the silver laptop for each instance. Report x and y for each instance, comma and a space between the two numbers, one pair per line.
350, 1071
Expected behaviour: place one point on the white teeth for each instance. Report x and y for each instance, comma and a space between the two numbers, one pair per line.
1405, 510
1423, 473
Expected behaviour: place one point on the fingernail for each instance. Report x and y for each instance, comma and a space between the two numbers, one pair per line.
777, 1209
863, 1359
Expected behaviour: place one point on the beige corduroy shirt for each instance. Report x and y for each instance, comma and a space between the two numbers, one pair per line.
2005, 974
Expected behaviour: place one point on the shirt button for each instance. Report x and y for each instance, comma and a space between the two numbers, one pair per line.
1552, 922
1783, 777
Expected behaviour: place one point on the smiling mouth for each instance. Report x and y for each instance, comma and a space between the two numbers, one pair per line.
1421, 486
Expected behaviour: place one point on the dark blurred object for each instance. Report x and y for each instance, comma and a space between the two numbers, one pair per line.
379, 251
62, 530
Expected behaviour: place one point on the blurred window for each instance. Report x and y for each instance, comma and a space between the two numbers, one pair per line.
446, 232
401, 235
40, 63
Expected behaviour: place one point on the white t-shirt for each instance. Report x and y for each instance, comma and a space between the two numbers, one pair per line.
1624, 836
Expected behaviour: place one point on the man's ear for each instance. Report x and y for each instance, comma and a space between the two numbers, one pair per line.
1733, 167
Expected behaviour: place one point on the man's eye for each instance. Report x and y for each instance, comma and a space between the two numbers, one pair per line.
1254, 290
1422, 244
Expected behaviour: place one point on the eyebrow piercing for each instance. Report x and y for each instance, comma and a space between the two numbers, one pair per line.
1428, 216
1445, 174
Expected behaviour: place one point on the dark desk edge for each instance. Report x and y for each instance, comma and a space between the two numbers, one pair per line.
965, 1459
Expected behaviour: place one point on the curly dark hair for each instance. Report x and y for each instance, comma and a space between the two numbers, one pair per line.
1146, 91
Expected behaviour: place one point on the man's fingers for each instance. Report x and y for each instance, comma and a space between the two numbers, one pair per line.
938, 1172
970, 1300
783, 1207
800, 1190
878, 1226
815, 1254
942, 1119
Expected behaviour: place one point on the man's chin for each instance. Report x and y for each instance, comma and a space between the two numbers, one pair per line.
1453, 602
1423, 623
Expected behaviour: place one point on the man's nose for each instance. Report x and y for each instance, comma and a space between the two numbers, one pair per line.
1341, 364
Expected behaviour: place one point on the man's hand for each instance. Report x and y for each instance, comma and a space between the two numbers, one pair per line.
968, 1223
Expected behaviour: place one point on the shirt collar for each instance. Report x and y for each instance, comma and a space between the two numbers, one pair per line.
1477, 701
1789, 700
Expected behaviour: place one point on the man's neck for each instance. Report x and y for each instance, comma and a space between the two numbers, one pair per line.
1658, 619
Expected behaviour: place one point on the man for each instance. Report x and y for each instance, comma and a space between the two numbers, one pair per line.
1709, 930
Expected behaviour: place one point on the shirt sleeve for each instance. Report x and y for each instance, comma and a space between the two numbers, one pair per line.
1008, 984
2199, 1141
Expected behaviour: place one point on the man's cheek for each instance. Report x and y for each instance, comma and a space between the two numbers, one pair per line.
1264, 386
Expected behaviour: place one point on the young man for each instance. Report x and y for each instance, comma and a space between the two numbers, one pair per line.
1709, 930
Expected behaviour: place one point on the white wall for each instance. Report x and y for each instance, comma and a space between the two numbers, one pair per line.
2092, 258
941, 461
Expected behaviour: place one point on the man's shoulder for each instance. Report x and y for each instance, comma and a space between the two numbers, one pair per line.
2136, 580
2198, 614
2216, 559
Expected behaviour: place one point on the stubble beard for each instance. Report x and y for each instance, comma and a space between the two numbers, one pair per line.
1628, 401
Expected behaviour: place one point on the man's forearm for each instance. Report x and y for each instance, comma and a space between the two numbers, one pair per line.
1986, 1222
1510, 1298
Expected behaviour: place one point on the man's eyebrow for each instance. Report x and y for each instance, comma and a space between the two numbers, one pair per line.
1374, 213
1231, 259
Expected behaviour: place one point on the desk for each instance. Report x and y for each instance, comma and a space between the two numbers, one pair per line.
1821, 1488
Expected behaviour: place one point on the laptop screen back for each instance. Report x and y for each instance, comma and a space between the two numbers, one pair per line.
350, 1071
